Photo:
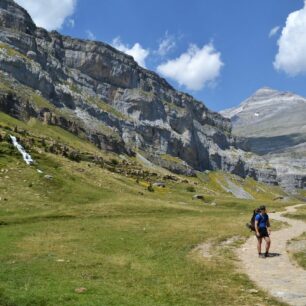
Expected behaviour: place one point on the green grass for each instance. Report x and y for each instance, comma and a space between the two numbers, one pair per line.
106, 107
300, 256
40, 101
299, 214
11, 52
174, 107
73, 87
88, 227
171, 158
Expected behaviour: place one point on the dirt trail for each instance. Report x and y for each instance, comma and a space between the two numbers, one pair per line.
277, 275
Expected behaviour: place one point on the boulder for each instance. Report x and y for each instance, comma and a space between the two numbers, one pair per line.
32, 55
159, 184
198, 197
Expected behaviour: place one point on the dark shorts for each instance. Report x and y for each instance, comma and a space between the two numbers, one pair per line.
263, 232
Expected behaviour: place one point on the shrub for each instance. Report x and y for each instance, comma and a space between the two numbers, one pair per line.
190, 189
150, 188
114, 162
74, 156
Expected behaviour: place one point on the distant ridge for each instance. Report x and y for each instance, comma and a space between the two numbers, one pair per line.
273, 124
269, 112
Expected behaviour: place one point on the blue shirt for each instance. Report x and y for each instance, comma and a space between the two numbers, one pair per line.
262, 220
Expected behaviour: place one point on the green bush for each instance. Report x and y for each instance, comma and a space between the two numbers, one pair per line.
74, 156
150, 188
114, 162
191, 189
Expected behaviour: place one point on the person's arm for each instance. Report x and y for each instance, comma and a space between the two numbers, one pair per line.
256, 227
268, 225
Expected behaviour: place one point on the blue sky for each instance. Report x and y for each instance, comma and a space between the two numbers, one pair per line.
219, 51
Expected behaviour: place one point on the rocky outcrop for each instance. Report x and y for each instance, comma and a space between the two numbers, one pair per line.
15, 17
112, 101
19, 108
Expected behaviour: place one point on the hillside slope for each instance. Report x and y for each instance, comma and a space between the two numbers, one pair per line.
86, 230
106, 93
100, 94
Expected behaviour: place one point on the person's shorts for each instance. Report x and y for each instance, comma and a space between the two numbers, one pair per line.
263, 232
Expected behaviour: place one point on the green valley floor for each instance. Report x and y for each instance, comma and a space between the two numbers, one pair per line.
82, 234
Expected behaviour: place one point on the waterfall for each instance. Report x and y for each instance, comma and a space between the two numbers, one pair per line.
26, 156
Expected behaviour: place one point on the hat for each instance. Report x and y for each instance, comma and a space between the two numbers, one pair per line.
262, 207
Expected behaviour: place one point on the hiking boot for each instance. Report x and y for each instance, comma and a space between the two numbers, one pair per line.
261, 255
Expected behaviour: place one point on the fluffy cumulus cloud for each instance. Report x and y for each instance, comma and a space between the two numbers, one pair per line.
49, 14
274, 31
195, 68
139, 53
166, 45
291, 56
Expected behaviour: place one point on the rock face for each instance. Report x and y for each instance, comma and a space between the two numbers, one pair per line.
279, 116
100, 93
272, 124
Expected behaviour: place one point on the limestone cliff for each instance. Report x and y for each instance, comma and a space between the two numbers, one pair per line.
100, 93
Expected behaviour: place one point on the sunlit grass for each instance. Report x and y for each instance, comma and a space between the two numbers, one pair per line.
88, 227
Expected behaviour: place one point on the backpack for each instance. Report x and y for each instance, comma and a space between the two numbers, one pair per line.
251, 225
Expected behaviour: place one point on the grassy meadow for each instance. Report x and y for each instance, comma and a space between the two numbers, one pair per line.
89, 236
300, 254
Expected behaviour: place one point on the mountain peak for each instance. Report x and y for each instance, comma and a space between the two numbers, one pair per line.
264, 100
266, 90
268, 95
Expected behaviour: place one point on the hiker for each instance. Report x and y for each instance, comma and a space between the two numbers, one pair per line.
263, 231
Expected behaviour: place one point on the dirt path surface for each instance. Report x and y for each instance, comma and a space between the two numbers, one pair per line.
277, 275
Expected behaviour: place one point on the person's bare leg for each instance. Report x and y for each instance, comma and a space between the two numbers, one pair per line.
259, 241
268, 244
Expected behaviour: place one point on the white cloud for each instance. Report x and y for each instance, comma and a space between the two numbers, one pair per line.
167, 44
137, 51
194, 68
90, 35
291, 56
71, 23
49, 14
274, 31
